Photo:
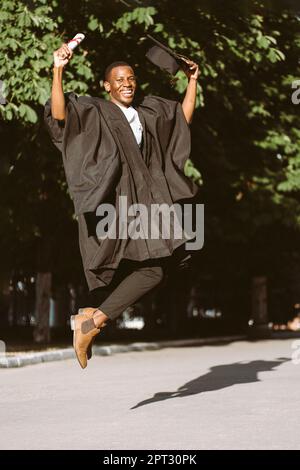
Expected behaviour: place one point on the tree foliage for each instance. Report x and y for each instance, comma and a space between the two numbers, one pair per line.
246, 137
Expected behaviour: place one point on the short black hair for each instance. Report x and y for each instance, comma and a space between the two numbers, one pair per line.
111, 66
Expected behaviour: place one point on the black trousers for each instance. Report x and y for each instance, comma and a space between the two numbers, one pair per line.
133, 280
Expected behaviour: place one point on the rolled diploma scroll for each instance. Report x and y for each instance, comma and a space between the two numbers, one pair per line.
77, 39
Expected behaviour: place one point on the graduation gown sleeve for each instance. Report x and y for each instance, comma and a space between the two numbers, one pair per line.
169, 129
89, 152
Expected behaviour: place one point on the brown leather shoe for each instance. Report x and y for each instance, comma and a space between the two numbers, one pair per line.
84, 332
89, 313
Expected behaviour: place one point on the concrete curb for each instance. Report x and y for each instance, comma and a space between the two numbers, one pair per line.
68, 353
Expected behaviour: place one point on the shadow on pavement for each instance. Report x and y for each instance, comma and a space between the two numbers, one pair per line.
217, 378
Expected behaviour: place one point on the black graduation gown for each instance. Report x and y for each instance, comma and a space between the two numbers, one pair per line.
102, 161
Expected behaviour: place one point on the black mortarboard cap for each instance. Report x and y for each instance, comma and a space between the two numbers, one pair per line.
166, 58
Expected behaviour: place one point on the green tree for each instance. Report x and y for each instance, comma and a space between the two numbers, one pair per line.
245, 130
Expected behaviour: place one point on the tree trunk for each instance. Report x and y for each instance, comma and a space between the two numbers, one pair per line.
259, 301
42, 307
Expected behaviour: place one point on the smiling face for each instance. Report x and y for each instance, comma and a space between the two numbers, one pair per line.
121, 85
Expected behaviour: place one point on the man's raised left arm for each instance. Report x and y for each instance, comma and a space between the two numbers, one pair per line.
189, 102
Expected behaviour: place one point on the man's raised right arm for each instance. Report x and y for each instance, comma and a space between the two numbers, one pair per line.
58, 106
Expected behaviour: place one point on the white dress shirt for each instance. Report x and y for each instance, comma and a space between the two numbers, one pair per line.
132, 117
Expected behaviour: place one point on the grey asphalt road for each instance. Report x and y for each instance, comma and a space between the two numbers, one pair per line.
242, 395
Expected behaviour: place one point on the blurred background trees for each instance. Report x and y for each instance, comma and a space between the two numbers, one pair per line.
246, 137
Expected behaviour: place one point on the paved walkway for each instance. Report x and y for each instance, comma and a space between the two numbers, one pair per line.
239, 395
